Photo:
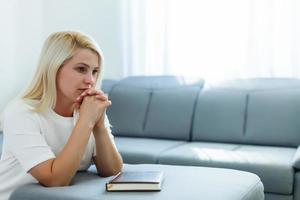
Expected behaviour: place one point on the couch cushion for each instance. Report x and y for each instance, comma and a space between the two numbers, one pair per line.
128, 111
254, 84
152, 82
297, 185
273, 117
219, 115
296, 159
272, 164
250, 111
142, 150
170, 113
274, 196
131, 98
107, 85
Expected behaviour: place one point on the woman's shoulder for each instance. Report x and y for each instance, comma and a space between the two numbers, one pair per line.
19, 106
15, 111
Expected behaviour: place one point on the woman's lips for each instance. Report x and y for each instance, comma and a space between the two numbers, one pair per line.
83, 89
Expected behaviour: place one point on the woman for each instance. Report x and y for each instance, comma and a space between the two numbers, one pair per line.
59, 125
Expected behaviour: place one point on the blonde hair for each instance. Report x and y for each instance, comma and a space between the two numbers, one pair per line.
57, 49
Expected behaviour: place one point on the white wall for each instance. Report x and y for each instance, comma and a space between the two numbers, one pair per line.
99, 18
24, 25
8, 75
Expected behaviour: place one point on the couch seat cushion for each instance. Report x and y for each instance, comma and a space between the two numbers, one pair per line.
272, 164
143, 150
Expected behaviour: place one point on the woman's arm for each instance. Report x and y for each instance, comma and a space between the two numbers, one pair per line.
60, 170
107, 160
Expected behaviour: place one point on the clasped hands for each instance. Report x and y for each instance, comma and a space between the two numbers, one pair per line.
93, 103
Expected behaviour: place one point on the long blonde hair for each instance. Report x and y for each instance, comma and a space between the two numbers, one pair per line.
58, 48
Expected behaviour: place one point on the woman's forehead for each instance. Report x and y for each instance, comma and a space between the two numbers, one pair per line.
86, 57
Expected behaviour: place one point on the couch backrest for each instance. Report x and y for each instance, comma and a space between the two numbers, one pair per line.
107, 85
249, 111
253, 111
155, 106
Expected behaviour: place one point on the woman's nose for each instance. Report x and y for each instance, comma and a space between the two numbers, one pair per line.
89, 79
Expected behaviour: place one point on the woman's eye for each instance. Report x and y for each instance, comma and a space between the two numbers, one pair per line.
81, 69
95, 72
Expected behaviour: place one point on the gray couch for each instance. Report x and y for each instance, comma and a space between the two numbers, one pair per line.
251, 125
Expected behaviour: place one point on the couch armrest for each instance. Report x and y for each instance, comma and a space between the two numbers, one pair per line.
296, 159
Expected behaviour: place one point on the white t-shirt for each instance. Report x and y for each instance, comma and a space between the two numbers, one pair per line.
31, 138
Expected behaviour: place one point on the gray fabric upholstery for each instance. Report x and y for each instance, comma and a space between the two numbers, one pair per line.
273, 117
132, 97
296, 159
255, 117
180, 182
133, 103
269, 196
219, 116
152, 82
140, 99
272, 164
297, 186
107, 85
170, 113
254, 113
255, 84
141, 150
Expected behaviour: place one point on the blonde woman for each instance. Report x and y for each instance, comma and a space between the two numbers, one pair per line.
59, 125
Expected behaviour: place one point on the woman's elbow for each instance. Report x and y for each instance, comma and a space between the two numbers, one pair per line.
117, 169
112, 171
55, 183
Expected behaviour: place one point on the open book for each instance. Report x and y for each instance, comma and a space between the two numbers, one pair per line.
136, 181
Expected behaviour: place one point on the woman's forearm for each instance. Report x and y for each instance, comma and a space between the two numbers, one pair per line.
108, 161
60, 170
68, 161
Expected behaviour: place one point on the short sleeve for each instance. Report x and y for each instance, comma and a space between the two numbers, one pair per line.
24, 139
108, 127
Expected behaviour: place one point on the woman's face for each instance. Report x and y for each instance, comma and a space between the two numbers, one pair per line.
76, 75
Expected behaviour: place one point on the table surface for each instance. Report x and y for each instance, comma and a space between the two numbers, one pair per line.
180, 182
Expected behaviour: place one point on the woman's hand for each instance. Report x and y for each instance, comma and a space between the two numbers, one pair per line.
91, 92
101, 99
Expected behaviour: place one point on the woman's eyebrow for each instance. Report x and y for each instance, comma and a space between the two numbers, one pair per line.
88, 65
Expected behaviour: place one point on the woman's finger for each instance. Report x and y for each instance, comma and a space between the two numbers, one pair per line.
101, 97
88, 92
94, 91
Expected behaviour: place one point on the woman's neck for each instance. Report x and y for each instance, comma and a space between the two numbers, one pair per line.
64, 109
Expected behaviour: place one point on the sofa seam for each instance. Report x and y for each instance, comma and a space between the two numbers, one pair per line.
250, 191
147, 109
193, 114
246, 114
